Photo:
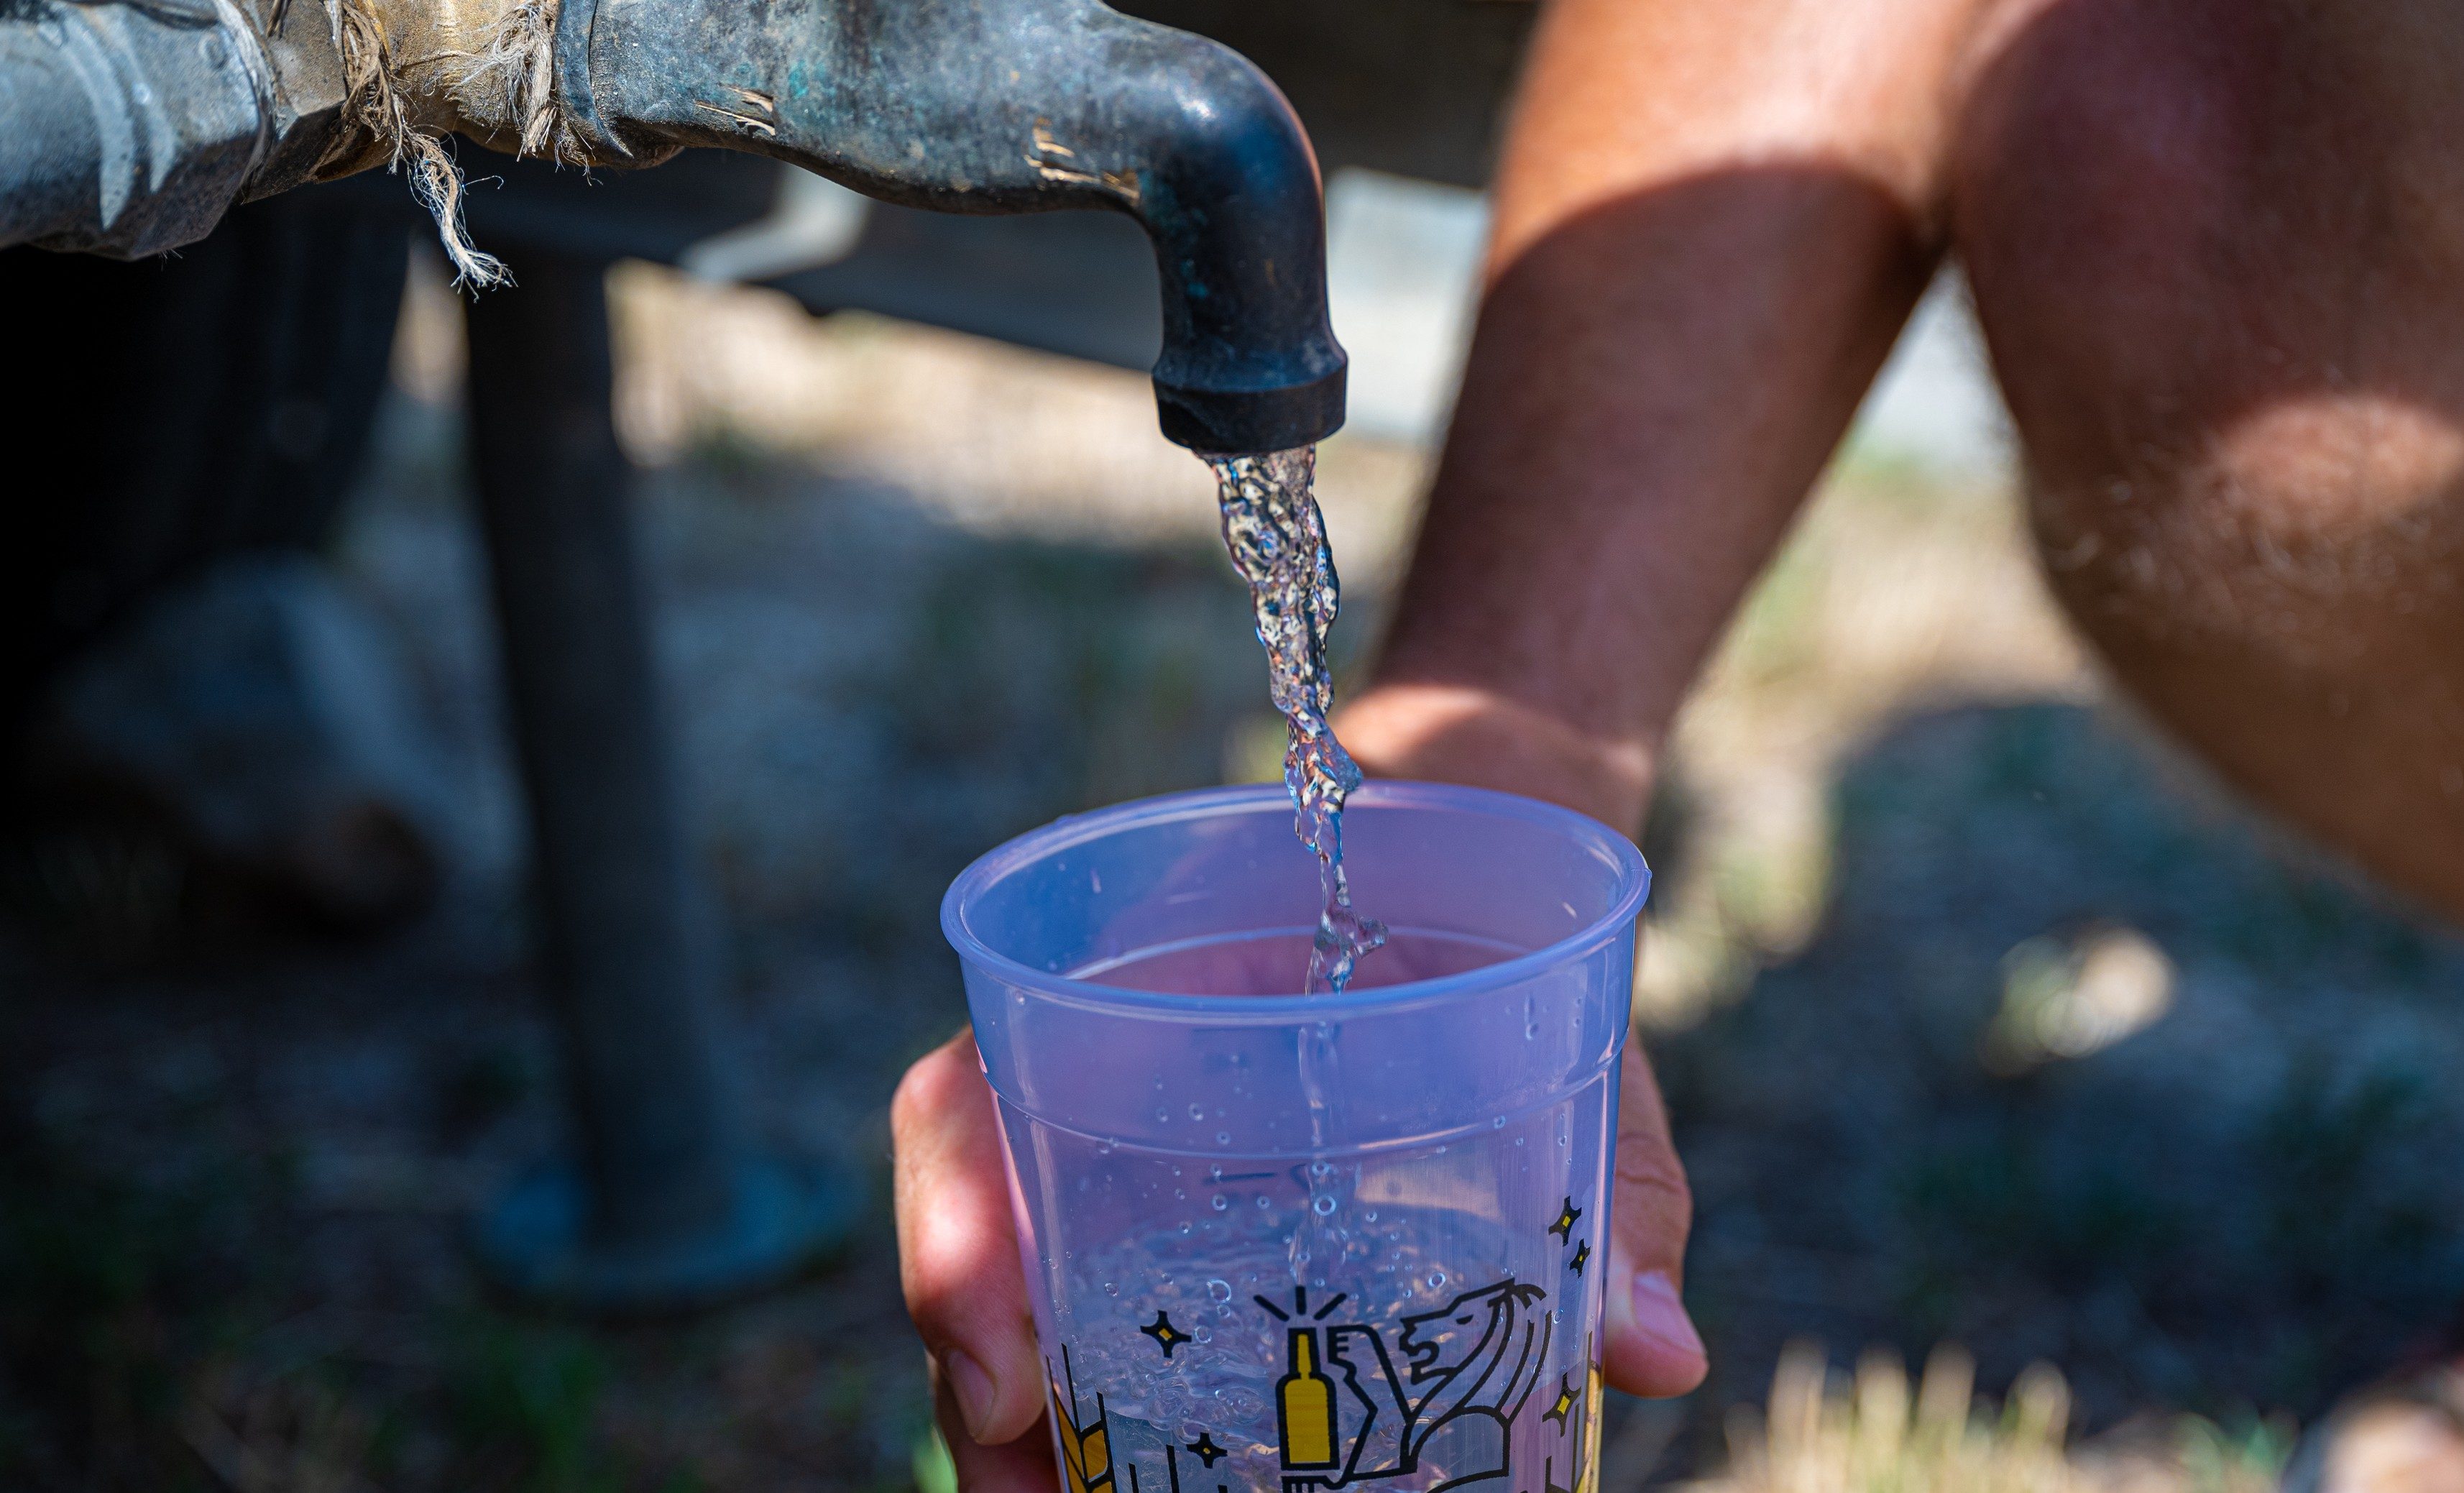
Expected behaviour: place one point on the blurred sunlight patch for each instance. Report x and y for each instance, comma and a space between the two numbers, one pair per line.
2072, 996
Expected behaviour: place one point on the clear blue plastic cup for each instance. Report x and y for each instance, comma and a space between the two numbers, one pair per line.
1320, 1241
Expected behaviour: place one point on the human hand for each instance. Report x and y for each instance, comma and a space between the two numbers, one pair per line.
1456, 734
1444, 732
959, 1265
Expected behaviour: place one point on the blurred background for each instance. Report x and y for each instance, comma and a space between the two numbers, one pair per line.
2000, 1045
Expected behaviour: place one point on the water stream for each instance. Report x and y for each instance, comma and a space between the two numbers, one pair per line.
1277, 540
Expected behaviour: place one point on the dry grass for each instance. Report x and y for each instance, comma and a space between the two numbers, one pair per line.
1875, 1433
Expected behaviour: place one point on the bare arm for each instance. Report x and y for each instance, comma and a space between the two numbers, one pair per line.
1712, 219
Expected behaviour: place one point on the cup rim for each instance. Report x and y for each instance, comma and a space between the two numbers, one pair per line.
1634, 878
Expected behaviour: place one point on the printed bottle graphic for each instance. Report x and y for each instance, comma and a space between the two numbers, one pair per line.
1425, 1402
1305, 1405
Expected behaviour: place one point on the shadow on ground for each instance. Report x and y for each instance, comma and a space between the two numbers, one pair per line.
2229, 1190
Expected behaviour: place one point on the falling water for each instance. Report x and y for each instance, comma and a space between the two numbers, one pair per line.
1277, 538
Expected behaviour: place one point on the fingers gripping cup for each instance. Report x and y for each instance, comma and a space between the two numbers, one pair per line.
1315, 1242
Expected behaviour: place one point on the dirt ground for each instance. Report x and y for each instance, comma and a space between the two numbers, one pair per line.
1984, 1019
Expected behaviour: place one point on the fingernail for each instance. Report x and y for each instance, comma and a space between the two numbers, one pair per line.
973, 1389
1658, 1312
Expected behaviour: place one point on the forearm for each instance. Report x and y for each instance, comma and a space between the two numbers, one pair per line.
1713, 218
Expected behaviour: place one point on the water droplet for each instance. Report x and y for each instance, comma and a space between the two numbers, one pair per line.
1518, 1140
1222, 1202
1371, 1215
1532, 1033
1498, 1124
1263, 1202
1322, 1204
1163, 1116
1436, 1280
1197, 1111
1223, 1137
1111, 1288
1185, 1227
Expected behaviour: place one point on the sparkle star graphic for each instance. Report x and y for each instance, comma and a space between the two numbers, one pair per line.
1167, 1336
1205, 1450
1563, 1227
1563, 1402
1582, 1256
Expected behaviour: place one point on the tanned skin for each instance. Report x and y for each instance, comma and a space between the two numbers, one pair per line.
2217, 248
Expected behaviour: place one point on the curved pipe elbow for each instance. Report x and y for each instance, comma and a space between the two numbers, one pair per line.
1022, 106
1234, 207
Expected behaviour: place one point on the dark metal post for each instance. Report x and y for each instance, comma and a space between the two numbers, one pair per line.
663, 1204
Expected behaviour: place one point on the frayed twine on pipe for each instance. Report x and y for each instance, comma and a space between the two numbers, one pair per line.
368, 71
509, 84
506, 85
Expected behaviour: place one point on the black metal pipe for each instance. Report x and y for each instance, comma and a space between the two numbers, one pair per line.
667, 1202
1018, 106
630, 976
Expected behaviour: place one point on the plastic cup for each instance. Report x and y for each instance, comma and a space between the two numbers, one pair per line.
1314, 1241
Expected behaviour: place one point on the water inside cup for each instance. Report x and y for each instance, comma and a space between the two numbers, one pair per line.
1264, 963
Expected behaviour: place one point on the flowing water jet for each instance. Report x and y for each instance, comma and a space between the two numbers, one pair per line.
1277, 540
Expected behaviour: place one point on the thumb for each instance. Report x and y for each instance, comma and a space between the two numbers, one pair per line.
1653, 1349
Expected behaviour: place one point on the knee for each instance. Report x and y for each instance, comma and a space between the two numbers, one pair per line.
2242, 417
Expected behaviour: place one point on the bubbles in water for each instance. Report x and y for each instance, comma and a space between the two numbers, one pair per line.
1436, 1280
1497, 1123
1221, 1291
1322, 1204
1223, 1137
1262, 1201
1197, 1111
1220, 1202
1163, 1116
